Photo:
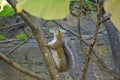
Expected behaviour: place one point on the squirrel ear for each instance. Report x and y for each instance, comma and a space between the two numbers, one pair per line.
62, 35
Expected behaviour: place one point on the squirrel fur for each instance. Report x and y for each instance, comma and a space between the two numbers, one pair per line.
62, 54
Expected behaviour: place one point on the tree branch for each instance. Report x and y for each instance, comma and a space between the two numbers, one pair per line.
90, 49
37, 32
81, 42
16, 47
21, 24
75, 34
7, 41
18, 67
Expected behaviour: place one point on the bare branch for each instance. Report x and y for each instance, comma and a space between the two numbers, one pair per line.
31, 62
75, 34
103, 21
16, 47
90, 49
18, 67
21, 24
37, 32
81, 41
7, 41
84, 72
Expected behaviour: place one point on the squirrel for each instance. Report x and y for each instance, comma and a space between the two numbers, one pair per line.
62, 54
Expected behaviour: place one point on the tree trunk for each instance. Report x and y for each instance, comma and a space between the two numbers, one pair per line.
38, 34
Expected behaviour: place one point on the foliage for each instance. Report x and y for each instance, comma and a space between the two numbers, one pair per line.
112, 6
55, 9
90, 5
74, 0
2, 37
21, 36
43, 8
46, 9
6, 9
2, 4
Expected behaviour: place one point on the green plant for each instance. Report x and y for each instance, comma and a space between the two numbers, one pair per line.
6, 9
21, 36
90, 5
46, 9
2, 37
74, 0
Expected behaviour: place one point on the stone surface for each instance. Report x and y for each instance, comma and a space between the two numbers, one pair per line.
29, 56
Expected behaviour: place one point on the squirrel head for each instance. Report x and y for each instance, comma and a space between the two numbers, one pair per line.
57, 33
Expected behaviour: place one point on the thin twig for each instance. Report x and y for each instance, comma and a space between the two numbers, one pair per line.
18, 67
85, 69
103, 21
32, 62
99, 62
103, 68
44, 22
75, 34
90, 49
27, 34
16, 47
93, 41
16, 25
79, 28
82, 41
38, 34
7, 41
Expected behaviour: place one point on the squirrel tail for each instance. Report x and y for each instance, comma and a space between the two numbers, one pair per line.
69, 54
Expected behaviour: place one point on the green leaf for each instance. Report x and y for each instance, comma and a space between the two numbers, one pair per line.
2, 37
112, 7
7, 11
47, 9
21, 36
74, 0
90, 5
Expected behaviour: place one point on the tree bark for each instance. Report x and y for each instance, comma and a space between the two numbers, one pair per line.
37, 32
18, 67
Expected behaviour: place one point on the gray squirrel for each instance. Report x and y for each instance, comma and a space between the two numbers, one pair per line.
68, 53
62, 54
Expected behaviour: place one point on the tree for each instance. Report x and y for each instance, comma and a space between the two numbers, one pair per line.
32, 22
